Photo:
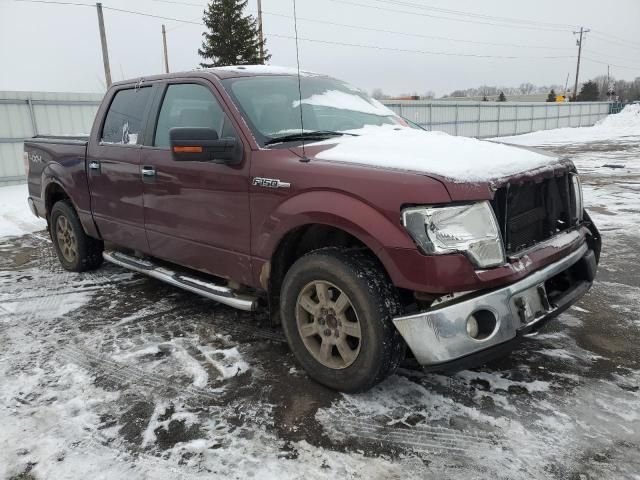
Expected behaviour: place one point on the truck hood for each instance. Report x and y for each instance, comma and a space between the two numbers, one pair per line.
452, 160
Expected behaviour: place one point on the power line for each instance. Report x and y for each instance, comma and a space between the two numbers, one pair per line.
422, 14
476, 15
426, 52
174, 2
52, 2
620, 39
418, 35
328, 42
614, 42
637, 69
151, 15
606, 55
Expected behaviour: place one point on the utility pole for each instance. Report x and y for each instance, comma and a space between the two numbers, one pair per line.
581, 32
164, 44
260, 31
103, 41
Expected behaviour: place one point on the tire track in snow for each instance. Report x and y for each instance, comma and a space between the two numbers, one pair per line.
99, 364
344, 422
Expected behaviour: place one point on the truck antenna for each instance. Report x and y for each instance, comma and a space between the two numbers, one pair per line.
295, 24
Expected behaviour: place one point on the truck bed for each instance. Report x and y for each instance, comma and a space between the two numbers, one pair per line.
61, 158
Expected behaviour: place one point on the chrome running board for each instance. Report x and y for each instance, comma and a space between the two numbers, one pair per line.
213, 291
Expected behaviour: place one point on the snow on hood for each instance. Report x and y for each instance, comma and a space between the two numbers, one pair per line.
460, 159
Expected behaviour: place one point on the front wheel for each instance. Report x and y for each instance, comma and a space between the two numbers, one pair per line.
76, 251
337, 306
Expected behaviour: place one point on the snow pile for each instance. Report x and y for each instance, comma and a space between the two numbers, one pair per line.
625, 124
628, 118
15, 217
460, 159
346, 101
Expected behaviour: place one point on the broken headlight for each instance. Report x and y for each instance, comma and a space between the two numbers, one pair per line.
577, 204
471, 229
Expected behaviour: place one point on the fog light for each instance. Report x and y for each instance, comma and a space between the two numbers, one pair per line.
472, 327
481, 324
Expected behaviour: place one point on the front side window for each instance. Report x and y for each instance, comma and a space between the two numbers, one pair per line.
271, 105
190, 105
124, 121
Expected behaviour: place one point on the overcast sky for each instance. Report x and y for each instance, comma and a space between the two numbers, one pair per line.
57, 48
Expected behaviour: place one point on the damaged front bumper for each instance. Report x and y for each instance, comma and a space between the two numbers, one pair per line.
478, 327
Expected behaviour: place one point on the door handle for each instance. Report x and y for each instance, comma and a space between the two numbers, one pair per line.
94, 165
148, 172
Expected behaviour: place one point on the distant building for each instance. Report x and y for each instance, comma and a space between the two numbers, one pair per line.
538, 97
407, 97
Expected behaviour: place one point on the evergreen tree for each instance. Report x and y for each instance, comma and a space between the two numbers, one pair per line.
552, 96
502, 98
484, 98
232, 38
589, 92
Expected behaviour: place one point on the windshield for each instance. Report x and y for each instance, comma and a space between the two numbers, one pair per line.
271, 105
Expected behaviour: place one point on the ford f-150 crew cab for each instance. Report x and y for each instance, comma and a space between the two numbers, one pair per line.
367, 239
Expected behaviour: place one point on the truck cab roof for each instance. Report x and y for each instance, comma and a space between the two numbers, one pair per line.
221, 73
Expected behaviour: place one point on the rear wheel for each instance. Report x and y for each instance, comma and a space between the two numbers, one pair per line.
76, 251
337, 306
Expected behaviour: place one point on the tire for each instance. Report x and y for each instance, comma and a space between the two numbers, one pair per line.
329, 349
76, 251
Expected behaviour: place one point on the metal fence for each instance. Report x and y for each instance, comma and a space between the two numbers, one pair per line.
25, 114
498, 119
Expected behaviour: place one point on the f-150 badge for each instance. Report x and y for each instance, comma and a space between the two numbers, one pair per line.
270, 183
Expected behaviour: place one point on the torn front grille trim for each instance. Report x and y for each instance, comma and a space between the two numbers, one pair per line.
532, 212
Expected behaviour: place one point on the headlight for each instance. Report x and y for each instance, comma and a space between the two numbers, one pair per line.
471, 229
577, 204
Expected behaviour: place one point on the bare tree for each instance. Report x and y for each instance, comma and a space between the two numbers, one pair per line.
527, 88
379, 94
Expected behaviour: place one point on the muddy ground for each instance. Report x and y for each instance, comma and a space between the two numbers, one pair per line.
111, 374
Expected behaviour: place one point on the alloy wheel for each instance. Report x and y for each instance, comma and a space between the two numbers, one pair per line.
328, 324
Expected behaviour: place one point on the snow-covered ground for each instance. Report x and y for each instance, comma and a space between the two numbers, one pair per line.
110, 374
624, 126
15, 216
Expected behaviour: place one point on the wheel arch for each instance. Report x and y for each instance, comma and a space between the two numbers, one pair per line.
304, 239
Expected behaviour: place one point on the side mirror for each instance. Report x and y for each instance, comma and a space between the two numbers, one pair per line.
191, 144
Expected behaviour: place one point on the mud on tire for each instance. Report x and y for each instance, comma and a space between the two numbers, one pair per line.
357, 363
76, 251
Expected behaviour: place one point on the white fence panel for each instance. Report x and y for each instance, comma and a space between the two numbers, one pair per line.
25, 114
498, 119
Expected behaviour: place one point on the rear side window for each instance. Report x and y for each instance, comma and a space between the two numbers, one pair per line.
124, 122
190, 105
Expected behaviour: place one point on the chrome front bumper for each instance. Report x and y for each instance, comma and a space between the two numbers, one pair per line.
439, 336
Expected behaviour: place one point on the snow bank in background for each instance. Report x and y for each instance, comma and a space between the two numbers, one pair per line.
619, 125
15, 217
346, 101
461, 159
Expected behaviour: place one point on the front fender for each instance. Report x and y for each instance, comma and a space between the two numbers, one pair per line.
372, 227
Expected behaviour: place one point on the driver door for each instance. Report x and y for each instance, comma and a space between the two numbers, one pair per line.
196, 213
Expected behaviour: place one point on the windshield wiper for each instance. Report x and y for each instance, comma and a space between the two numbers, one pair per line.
314, 134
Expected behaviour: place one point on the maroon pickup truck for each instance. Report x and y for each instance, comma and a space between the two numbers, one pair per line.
361, 234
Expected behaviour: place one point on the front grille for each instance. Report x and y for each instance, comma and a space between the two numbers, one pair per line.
529, 213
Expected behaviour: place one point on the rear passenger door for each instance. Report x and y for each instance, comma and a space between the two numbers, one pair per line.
113, 168
196, 213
